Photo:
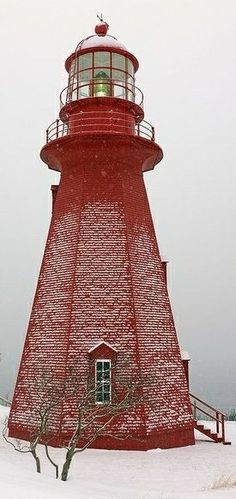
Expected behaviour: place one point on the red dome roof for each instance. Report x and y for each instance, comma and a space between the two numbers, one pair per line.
101, 39
104, 41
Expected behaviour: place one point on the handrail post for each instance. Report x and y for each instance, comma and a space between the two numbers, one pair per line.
57, 125
217, 422
153, 133
223, 427
195, 409
47, 137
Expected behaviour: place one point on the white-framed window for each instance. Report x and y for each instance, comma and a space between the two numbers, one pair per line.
103, 381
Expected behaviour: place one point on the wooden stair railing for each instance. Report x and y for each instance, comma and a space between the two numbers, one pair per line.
199, 405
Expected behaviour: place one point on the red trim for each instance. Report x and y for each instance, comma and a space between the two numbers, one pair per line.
103, 351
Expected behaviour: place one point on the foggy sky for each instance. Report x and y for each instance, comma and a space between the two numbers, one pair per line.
186, 50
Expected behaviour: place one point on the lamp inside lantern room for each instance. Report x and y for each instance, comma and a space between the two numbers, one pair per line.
102, 85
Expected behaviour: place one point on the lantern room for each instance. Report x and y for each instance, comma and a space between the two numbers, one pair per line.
101, 66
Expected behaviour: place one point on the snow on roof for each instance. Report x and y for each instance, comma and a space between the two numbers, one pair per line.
164, 258
102, 343
101, 41
185, 355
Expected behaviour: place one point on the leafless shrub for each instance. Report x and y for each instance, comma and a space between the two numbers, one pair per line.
90, 420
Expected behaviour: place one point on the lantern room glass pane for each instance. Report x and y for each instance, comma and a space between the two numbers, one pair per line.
118, 75
102, 59
119, 91
83, 83
130, 95
72, 68
83, 90
130, 89
102, 85
101, 73
85, 61
118, 61
130, 67
85, 75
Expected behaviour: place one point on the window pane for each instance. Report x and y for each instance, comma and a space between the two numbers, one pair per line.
85, 61
74, 92
72, 67
106, 370
101, 73
118, 61
99, 376
99, 366
99, 396
130, 67
102, 84
102, 59
131, 95
85, 75
106, 397
119, 90
130, 81
118, 75
83, 89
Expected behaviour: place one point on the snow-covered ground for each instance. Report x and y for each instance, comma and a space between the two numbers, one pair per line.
189, 472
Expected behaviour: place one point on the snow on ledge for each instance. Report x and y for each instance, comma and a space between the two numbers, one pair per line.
185, 355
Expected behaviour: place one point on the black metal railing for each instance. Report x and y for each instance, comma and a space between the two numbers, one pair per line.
100, 121
101, 88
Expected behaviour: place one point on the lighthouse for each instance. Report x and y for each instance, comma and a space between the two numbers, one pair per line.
101, 302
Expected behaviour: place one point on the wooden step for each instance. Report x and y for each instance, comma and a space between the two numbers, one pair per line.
206, 431
199, 405
199, 426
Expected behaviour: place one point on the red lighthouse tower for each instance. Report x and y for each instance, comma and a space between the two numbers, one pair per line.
101, 296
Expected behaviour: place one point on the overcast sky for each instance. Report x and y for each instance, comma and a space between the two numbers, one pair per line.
187, 55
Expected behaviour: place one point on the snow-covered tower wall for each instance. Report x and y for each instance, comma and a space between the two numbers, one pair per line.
102, 292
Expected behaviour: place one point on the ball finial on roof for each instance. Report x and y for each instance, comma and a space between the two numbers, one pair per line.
101, 29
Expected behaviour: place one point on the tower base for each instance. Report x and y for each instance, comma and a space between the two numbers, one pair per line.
155, 440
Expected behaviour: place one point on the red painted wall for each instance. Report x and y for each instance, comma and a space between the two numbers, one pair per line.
102, 279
